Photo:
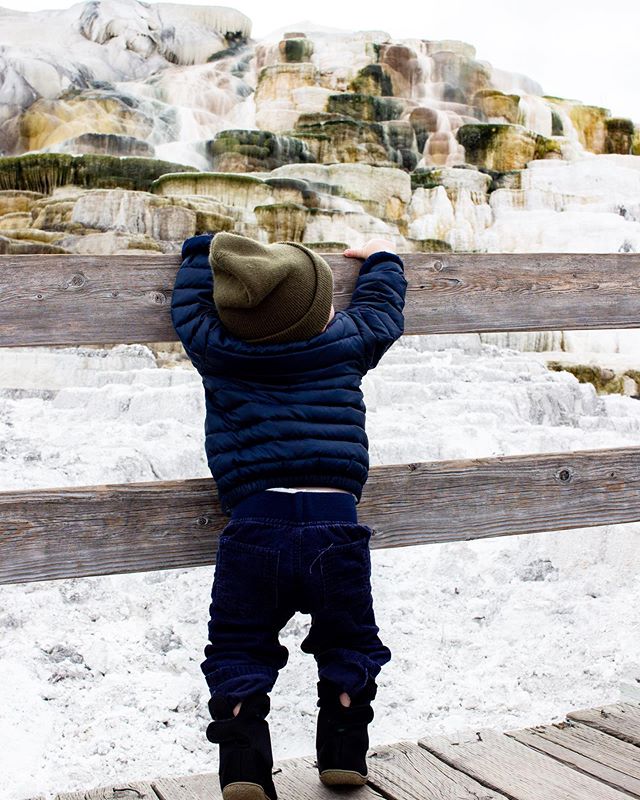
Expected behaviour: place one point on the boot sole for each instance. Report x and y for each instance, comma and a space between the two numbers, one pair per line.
244, 790
346, 777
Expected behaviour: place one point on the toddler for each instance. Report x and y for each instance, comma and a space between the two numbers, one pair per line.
286, 444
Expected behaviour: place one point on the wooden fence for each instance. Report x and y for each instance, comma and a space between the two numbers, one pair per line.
135, 527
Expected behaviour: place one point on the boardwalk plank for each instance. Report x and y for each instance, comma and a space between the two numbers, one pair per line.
405, 771
617, 719
298, 780
609, 759
505, 765
294, 778
594, 755
130, 790
203, 786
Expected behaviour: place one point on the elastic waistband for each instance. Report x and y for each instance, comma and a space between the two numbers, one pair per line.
298, 506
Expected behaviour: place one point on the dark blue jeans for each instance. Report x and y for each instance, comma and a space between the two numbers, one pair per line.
281, 553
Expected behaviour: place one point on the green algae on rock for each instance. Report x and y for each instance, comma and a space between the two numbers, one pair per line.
372, 80
42, 172
504, 147
110, 144
294, 49
14, 247
237, 150
430, 245
603, 379
588, 121
327, 247
620, 132
468, 176
493, 103
557, 128
369, 108
334, 139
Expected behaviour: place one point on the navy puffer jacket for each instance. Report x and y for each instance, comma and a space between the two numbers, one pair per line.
287, 414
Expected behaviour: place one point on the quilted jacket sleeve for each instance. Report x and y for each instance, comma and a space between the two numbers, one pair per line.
193, 311
377, 304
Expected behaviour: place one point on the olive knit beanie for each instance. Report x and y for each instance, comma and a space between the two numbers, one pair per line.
279, 292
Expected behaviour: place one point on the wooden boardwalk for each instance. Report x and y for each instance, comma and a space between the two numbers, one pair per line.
593, 755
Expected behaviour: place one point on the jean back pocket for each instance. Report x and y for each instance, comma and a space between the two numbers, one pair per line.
246, 576
346, 572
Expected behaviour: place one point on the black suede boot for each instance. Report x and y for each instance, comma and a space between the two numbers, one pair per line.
342, 738
246, 759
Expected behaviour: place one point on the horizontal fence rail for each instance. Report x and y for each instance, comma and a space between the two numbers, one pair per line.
97, 299
137, 527
99, 530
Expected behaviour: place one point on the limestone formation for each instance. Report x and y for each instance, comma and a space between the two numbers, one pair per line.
620, 134
502, 147
498, 106
294, 49
43, 172
109, 144
249, 150
162, 218
140, 124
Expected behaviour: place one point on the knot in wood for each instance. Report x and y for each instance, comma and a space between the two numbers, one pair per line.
564, 475
159, 298
438, 265
78, 279
202, 522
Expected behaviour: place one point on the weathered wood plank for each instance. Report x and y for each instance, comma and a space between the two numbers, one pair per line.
611, 760
130, 790
294, 778
204, 786
570, 760
405, 771
107, 529
297, 779
617, 719
118, 528
507, 766
96, 299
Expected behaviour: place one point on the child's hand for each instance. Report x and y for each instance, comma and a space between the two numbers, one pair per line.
372, 246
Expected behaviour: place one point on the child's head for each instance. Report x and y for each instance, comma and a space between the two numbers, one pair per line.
277, 292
